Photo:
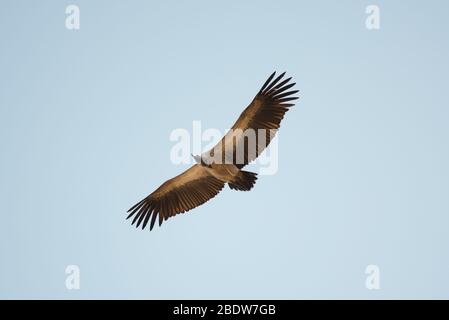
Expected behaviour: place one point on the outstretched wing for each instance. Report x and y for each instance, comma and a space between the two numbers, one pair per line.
240, 145
186, 191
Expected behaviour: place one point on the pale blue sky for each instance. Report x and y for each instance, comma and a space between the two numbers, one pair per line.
85, 119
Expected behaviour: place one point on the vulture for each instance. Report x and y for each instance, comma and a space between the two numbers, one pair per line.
224, 162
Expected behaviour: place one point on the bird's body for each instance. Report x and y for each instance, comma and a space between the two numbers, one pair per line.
223, 164
223, 172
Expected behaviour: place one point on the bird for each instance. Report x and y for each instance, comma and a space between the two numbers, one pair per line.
224, 162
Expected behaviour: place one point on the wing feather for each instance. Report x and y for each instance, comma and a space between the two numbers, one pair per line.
180, 194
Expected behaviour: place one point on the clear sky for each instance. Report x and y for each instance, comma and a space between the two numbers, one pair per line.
363, 179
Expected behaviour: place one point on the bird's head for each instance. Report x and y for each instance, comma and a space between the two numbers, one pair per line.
200, 160
197, 158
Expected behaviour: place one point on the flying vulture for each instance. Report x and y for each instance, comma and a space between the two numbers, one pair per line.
223, 163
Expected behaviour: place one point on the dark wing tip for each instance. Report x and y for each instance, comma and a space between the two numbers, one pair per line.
273, 83
287, 99
267, 82
136, 205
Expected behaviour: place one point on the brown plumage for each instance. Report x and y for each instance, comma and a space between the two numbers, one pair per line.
265, 112
221, 164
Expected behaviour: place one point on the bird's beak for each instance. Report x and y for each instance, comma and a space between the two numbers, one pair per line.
196, 158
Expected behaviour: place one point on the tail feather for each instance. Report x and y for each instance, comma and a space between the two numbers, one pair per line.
244, 181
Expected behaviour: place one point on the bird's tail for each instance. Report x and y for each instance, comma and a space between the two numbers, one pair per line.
244, 181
